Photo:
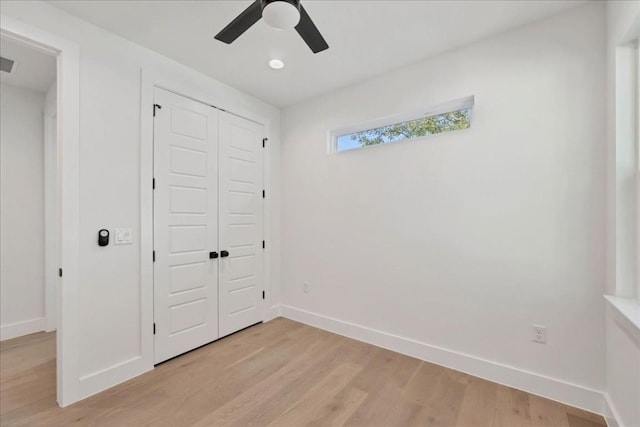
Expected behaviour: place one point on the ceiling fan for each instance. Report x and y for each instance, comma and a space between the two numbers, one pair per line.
279, 14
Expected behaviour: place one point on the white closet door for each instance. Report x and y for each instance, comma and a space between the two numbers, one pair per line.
241, 223
185, 224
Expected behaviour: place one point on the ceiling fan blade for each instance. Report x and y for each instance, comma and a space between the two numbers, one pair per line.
242, 23
309, 32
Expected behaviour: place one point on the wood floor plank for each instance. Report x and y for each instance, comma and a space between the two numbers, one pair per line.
424, 384
211, 359
190, 404
281, 373
312, 405
478, 404
186, 370
384, 379
512, 408
336, 411
262, 393
546, 412
181, 376
404, 413
292, 384
438, 392
22, 354
40, 383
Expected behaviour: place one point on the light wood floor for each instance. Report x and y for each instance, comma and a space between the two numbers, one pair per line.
281, 373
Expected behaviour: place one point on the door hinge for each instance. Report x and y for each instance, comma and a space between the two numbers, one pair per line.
154, 183
262, 294
59, 272
264, 141
154, 256
156, 107
154, 329
264, 194
263, 244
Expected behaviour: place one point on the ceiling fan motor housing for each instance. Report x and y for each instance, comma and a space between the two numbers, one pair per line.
281, 14
295, 3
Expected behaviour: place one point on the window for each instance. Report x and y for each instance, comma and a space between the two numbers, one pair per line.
454, 115
627, 176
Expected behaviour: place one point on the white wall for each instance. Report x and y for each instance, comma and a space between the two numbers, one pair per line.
52, 259
21, 212
462, 241
110, 91
623, 337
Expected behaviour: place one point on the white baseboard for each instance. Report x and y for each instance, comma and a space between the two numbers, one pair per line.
550, 388
610, 413
114, 375
272, 312
18, 329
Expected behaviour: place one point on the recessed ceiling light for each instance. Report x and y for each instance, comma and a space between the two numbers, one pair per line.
276, 64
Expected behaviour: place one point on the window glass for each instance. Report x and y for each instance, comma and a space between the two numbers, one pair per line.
430, 125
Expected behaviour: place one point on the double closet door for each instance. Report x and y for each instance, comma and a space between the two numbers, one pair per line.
208, 224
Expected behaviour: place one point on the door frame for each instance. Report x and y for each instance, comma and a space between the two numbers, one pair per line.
187, 87
68, 138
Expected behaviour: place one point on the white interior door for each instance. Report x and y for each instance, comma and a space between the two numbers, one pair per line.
185, 224
241, 223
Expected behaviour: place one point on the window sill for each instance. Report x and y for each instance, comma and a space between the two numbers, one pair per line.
627, 307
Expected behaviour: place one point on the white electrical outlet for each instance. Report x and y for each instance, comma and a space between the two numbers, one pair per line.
305, 287
540, 334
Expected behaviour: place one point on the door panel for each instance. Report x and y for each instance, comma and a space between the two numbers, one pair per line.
188, 162
241, 223
185, 225
185, 200
187, 277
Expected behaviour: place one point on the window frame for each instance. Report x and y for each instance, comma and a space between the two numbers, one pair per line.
435, 110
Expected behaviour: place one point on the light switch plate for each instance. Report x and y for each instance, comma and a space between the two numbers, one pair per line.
123, 236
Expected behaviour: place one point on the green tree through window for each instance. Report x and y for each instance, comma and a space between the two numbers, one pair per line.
431, 125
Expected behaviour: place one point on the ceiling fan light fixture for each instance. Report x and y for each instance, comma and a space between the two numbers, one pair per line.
281, 14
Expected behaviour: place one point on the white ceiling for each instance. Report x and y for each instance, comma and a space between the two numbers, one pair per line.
33, 69
366, 38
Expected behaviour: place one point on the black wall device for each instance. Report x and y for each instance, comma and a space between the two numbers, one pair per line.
103, 237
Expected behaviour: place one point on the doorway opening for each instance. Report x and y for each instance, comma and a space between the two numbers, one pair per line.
40, 212
29, 218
